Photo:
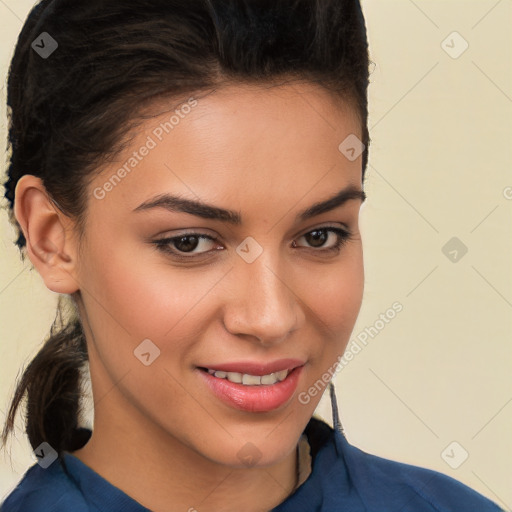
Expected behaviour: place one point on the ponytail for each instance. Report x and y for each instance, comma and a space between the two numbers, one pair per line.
50, 386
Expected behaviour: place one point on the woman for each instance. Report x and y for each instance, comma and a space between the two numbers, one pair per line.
190, 175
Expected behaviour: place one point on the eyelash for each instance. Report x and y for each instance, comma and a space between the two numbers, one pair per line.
165, 243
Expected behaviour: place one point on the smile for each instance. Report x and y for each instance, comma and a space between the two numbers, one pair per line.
253, 387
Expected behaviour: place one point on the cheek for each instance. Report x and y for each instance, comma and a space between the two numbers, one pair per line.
144, 298
130, 298
335, 294
334, 297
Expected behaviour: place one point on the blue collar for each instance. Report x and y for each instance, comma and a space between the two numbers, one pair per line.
342, 477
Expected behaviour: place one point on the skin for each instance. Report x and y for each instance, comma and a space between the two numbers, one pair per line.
268, 153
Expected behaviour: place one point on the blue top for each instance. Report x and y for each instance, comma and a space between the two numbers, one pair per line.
343, 478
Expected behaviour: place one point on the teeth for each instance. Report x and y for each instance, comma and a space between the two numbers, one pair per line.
234, 377
250, 380
281, 375
268, 379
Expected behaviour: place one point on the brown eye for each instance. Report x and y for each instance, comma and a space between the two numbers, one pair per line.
318, 238
185, 244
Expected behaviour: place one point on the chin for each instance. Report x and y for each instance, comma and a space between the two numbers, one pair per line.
249, 454
256, 445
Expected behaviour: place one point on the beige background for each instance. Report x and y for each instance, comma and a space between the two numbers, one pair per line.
440, 164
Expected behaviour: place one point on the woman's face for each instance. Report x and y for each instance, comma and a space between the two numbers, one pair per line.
261, 290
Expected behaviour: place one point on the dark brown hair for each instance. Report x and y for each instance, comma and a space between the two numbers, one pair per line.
71, 110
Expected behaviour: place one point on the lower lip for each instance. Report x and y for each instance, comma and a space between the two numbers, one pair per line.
260, 398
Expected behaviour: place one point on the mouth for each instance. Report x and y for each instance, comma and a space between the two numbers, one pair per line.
252, 387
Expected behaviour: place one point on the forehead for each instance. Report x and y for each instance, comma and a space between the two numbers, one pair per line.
261, 142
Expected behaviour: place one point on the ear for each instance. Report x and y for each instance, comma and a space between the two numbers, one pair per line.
48, 232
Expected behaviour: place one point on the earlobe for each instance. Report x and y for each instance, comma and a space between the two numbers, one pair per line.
50, 247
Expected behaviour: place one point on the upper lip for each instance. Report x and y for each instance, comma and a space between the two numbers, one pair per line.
256, 368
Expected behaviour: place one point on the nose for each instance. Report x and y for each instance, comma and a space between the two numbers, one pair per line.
263, 306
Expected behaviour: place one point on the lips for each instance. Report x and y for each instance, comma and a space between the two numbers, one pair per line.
259, 389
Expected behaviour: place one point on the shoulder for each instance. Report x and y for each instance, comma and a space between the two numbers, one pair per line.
348, 477
45, 490
412, 487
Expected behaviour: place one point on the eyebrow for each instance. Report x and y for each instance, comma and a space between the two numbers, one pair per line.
199, 209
